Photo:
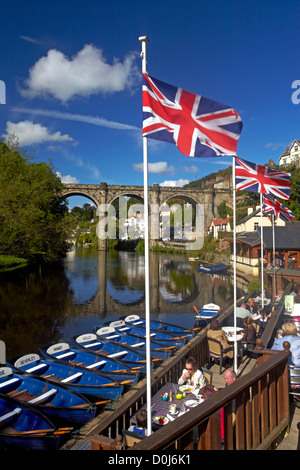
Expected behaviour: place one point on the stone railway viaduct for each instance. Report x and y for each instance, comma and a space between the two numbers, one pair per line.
209, 197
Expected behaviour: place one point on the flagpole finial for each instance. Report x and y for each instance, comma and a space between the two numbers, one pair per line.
143, 39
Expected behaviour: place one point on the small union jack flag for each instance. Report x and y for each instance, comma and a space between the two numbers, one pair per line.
261, 179
198, 126
273, 207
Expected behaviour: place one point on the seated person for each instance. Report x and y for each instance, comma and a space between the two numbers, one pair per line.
191, 375
289, 334
262, 318
141, 423
249, 333
279, 295
216, 332
251, 306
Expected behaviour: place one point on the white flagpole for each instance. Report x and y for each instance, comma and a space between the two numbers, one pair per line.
262, 252
274, 258
144, 40
234, 264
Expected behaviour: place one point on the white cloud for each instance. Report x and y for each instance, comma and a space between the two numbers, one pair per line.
67, 179
29, 133
97, 121
32, 40
175, 183
158, 167
274, 145
84, 74
191, 169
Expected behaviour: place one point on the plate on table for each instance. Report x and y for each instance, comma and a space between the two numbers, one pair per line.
187, 388
157, 419
191, 403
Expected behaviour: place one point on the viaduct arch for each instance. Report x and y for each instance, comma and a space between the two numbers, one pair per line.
104, 194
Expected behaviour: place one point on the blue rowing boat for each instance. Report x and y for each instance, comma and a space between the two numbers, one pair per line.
128, 355
213, 268
88, 383
24, 428
114, 369
161, 337
108, 333
178, 331
57, 402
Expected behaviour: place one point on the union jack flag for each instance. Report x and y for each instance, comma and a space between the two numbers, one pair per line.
273, 207
198, 126
261, 179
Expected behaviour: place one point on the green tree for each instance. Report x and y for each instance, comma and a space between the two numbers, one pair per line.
34, 220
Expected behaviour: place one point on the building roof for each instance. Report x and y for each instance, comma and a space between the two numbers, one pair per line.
286, 238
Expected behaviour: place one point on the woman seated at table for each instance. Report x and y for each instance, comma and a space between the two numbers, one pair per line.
216, 332
249, 333
191, 375
141, 423
251, 306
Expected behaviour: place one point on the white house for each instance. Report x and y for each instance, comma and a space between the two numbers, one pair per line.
219, 225
291, 154
253, 220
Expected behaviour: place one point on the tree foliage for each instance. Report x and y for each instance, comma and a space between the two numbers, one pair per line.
33, 216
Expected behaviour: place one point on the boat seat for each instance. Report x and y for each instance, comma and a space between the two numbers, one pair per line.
91, 366
8, 383
67, 354
10, 415
43, 397
72, 377
119, 354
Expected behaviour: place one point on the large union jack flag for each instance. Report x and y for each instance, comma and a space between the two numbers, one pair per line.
198, 126
261, 179
273, 207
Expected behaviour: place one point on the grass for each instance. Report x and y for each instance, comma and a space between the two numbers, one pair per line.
8, 262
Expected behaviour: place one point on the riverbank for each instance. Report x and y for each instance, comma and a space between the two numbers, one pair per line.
8, 263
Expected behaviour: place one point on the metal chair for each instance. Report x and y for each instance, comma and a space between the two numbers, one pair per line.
217, 352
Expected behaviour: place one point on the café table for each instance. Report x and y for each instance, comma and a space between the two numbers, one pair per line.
159, 407
233, 334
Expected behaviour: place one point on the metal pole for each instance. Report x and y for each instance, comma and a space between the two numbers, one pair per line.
144, 40
234, 264
262, 252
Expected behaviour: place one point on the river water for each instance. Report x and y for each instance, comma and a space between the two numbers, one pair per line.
41, 306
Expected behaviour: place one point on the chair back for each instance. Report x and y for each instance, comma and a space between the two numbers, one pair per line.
214, 346
207, 374
131, 438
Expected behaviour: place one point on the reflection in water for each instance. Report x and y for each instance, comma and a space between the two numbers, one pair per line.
47, 305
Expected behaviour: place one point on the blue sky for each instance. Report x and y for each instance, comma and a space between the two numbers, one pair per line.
72, 72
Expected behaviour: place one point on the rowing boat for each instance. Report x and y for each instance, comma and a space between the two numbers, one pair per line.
108, 333
128, 355
57, 402
25, 428
161, 337
88, 383
114, 369
213, 268
180, 332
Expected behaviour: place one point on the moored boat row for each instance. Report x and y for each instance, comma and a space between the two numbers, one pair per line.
71, 384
